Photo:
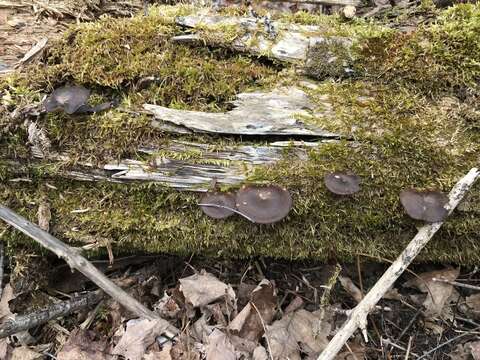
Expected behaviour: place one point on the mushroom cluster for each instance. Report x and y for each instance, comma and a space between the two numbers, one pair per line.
73, 100
428, 206
271, 203
259, 204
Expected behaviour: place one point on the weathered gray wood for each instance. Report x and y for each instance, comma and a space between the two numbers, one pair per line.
287, 42
228, 165
256, 113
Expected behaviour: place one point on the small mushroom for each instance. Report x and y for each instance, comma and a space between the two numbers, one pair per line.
342, 183
68, 98
218, 205
264, 204
428, 206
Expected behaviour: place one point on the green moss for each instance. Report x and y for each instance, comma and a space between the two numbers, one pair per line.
402, 140
436, 57
118, 52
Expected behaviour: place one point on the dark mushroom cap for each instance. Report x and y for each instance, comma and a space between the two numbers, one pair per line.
264, 204
428, 206
218, 198
68, 98
342, 183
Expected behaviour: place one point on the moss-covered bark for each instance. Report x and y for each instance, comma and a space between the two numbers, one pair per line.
404, 137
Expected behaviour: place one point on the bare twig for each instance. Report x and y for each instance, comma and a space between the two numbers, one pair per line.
264, 329
427, 354
358, 317
1, 265
409, 347
76, 261
456, 283
391, 343
25, 322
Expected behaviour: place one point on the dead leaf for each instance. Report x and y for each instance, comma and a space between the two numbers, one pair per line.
167, 307
44, 215
185, 349
294, 305
351, 288
24, 353
7, 296
260, 353
139, 335
244, 292
220, 347
248, 324
355, 352
201, 330
298, 331
82, 345
467, 351
5, 349
202, 289
159, 355
473, 302
393, 294
474, 348
437, 292
459, 353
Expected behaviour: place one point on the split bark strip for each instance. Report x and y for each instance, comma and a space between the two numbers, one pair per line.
63, 308
78, 262
358, 317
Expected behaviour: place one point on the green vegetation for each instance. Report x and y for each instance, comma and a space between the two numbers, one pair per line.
438, 57
408, 130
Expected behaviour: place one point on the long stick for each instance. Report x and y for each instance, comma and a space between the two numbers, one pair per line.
60, 309
358, 317
75, 260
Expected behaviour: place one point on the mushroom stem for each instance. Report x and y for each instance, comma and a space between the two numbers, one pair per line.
228, 208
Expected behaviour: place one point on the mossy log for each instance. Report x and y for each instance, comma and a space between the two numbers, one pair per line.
391, 129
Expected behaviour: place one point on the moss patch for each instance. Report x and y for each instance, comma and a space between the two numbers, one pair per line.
441, 56
403, 137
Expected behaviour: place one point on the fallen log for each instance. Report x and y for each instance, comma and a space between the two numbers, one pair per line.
392, 136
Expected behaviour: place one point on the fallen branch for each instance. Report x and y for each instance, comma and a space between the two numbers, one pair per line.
78, 262
63, 308
358, 317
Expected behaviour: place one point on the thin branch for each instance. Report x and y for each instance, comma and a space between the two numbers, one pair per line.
456, 283
63, 308
446, 343
1, 265
359, 315
78, 262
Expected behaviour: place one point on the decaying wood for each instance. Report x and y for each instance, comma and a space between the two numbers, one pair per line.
255, 113
358, 317
78, 262
228, 165
287, 42
24, 322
